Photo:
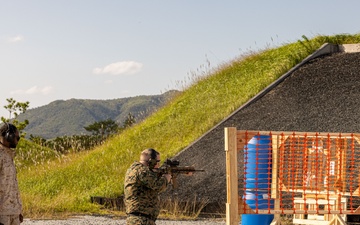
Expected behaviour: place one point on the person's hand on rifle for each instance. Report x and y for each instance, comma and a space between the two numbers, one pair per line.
189, 174
168, 177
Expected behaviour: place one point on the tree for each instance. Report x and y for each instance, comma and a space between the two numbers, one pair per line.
15, 108
103, 128
129, 121
38, 140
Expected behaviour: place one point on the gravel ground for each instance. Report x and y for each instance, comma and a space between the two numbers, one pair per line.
98, 220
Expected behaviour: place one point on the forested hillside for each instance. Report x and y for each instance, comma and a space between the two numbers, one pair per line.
69, 117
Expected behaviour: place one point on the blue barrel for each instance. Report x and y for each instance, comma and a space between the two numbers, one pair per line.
256, 219
259, 199
257, 153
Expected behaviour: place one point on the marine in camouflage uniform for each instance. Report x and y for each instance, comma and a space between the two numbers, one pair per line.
10, 202
141, 189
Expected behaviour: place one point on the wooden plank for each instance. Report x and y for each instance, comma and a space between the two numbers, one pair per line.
344, 167
319, 196
274, 173
232, 216
308, 134
315, 201
357, 211
276, 221
357, 191
298, 211
311, 222
307, 191
337, 220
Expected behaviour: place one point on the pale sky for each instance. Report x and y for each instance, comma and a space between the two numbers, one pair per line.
107, 49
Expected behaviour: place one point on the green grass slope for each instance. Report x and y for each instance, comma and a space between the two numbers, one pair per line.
29, 154
65, 185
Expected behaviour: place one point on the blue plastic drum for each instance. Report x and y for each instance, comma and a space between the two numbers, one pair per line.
258, 199
257, 155
256, 219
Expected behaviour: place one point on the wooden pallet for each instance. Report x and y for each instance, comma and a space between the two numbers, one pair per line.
331, 203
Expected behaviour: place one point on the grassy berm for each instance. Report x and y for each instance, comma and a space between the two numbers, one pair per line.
57, 185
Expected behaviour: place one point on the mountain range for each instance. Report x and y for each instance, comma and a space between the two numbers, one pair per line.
69, 117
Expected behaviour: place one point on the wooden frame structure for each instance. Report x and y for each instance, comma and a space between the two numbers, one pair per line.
330, 202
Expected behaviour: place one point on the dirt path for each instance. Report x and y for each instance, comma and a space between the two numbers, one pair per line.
97, 220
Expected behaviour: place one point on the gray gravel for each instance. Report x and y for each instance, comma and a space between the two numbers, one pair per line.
98, 220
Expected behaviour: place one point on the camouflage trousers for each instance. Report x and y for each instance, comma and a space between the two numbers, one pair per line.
9, 219
139, 220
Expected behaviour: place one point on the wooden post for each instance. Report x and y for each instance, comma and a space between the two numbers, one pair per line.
232, 215
274, 178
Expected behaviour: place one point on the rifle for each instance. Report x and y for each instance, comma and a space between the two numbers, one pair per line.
172, 167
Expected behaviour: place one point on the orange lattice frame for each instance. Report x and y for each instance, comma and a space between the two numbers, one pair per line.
294, 173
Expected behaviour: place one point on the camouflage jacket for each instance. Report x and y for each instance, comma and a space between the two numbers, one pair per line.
10, 202
141, 189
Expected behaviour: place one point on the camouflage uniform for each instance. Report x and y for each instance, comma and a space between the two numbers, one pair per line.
141, 188
10, 203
